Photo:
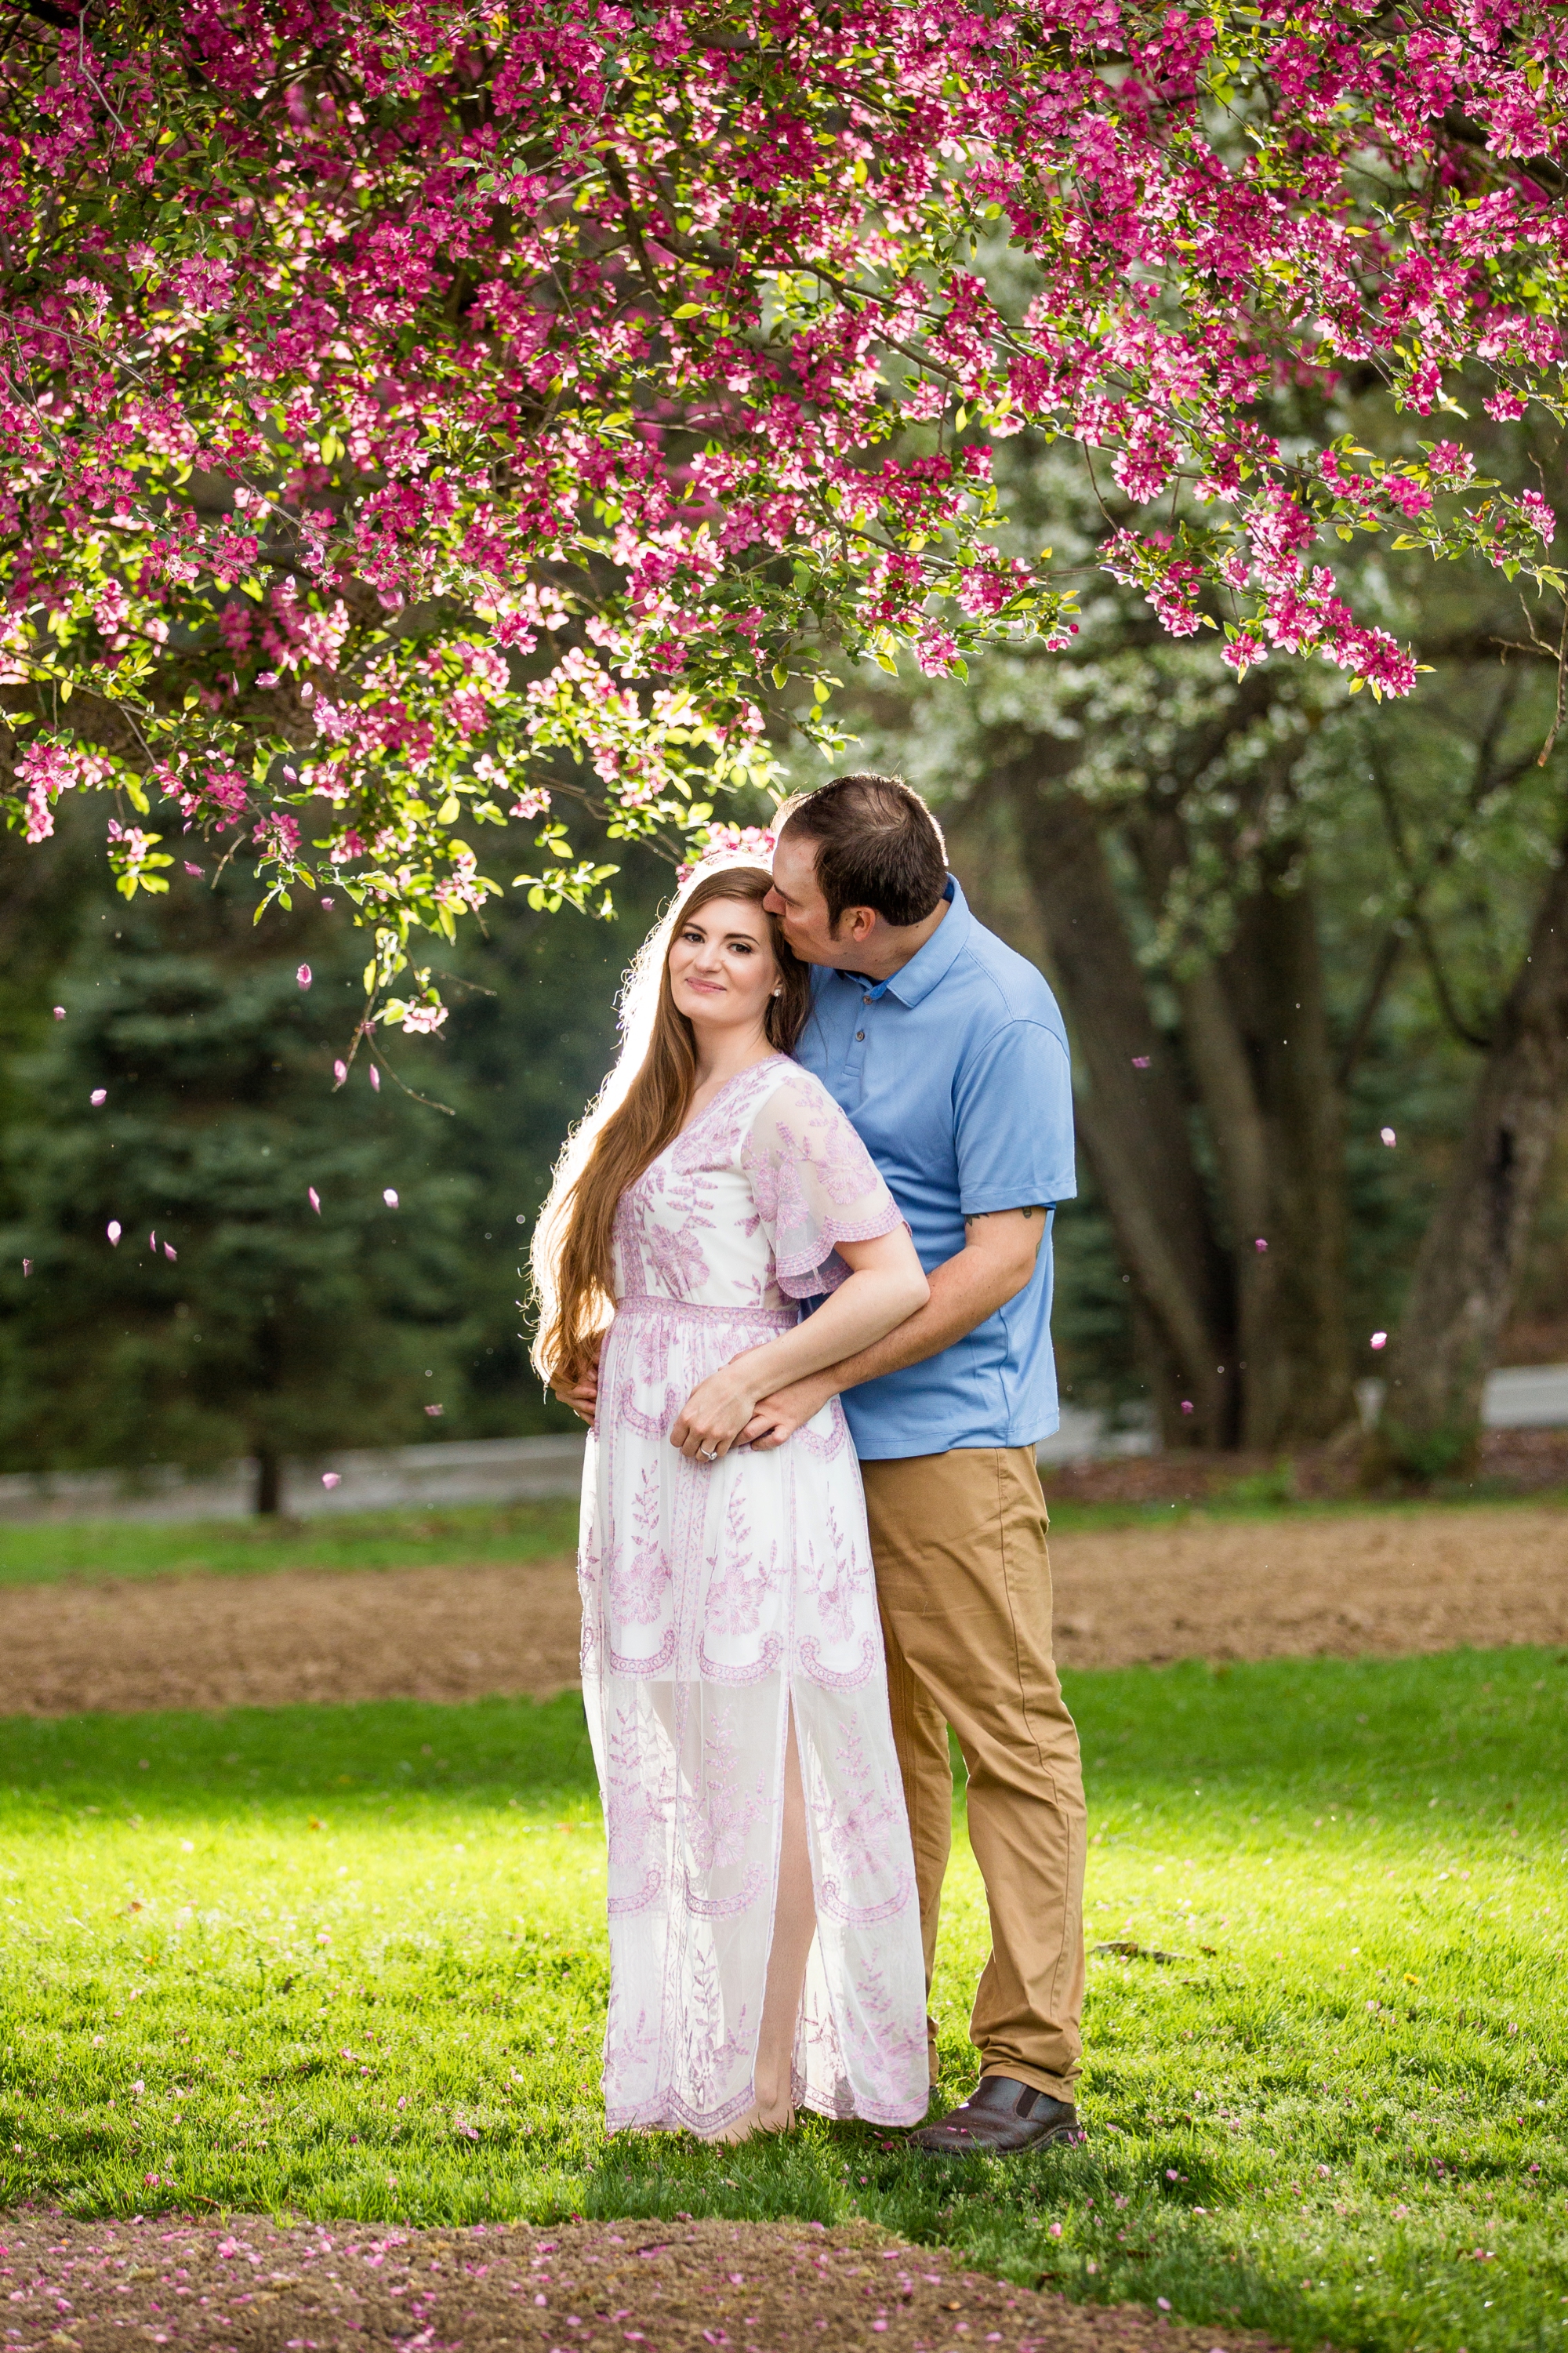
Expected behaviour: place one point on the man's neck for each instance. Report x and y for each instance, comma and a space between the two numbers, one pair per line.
887, 950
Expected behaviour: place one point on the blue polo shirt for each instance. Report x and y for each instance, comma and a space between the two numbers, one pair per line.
955, 1074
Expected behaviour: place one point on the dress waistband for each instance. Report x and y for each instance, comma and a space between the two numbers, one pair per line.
650, 1303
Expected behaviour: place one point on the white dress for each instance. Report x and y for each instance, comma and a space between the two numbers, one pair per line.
714, 1596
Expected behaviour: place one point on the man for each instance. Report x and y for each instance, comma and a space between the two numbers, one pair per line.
948, 1053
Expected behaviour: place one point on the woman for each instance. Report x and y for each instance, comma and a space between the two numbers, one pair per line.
764, 1936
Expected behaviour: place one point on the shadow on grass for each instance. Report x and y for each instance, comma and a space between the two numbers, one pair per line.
500, 1750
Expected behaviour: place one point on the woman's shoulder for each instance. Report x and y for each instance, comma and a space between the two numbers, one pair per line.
789, 1088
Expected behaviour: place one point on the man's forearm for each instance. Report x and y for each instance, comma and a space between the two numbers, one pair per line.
964, 1290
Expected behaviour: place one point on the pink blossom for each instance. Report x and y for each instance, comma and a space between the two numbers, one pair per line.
304, 976
340, 1074
193, 870
374, 1080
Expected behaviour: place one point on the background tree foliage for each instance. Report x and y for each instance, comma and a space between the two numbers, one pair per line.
1283, 920
273, 1329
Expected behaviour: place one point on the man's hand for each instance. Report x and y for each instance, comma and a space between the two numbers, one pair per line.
581, 1392
788, 1409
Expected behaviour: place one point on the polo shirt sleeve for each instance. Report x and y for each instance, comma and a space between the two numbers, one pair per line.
1012, 1122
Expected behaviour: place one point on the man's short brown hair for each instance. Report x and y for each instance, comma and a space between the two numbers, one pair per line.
877, 846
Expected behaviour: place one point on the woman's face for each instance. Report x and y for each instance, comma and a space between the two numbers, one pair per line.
723, 969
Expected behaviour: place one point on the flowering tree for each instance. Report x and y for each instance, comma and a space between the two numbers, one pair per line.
419, 415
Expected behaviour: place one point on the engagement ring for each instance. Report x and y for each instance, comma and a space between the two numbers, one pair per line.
708, 1453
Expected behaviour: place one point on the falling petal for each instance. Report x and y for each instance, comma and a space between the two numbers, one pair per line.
328, 905
340, 1071
304, 976
1379, 1339
314, 1198
1260, 1244
27, 1266
1187, 1404
59, 1013
152, 1244
331, 1478
99, 1095
375, 1077
1141, 1061
1388, 1136
389, 1197
114, 1231
434, 1409
170, 1251
193, 870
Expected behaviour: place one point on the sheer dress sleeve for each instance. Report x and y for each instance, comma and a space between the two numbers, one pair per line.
814, 1185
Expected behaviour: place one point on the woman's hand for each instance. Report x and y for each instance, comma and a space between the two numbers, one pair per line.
718, 1411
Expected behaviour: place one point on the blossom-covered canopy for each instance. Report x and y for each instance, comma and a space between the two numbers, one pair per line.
413, 408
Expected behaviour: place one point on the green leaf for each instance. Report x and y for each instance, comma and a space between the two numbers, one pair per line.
781, 676
448, 809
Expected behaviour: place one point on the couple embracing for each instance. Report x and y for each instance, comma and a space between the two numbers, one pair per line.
795, 1269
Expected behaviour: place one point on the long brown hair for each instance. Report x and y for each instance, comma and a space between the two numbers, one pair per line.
640, 1108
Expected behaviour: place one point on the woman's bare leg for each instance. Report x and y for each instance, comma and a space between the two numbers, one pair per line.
794, 1926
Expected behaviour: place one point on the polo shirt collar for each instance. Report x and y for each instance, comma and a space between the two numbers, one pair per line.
932, 962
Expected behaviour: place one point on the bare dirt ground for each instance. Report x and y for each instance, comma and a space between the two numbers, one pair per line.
1315, 1587
249, 2286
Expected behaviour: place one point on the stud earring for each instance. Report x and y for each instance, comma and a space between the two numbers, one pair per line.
778, 992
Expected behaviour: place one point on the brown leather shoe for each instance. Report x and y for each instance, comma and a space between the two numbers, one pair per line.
1000, 2117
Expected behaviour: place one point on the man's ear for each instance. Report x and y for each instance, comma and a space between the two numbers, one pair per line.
858, 924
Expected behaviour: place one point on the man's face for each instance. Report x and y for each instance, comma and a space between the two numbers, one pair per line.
797, 900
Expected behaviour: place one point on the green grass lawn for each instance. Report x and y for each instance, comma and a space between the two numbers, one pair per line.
350, 1962
419, 1537
405, 1538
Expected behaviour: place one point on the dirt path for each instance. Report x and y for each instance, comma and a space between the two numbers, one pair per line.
675, 2287
1388, 1582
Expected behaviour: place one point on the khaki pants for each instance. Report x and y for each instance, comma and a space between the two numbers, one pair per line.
963, 1580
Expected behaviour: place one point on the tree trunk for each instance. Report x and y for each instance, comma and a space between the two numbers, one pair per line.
1474, 1248
268, 1479
1292, 1335
1132, 1116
